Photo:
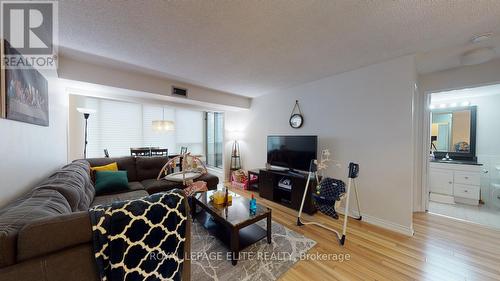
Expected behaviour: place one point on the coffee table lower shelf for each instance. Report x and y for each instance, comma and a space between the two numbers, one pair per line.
247, 235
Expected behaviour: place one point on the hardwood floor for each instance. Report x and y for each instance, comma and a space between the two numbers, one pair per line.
441, 249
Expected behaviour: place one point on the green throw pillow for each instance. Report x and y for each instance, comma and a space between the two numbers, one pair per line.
110, 181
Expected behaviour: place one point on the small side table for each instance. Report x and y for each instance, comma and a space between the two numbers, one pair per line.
253, 184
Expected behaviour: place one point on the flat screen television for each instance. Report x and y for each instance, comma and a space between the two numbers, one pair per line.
292, 152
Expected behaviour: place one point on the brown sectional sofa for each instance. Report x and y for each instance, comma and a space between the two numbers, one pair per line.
46, 233
142, 173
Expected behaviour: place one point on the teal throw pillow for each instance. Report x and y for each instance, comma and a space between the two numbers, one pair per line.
110, 181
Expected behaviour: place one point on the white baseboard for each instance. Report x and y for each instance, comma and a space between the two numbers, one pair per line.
389, 225
442, 198
383, 223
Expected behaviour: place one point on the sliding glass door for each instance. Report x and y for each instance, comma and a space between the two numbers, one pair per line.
214, 138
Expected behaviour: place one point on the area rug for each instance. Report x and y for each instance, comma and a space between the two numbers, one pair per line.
260, 261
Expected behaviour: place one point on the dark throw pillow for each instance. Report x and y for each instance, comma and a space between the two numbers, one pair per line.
110, 182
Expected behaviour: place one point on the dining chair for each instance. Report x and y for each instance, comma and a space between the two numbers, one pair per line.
159, 151
140, 151
184, 150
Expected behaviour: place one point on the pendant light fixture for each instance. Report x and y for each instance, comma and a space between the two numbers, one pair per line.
163, 125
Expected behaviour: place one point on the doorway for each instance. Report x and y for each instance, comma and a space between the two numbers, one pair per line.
214, 138
463, 178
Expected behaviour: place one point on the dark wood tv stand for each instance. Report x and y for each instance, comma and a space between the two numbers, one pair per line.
269, 189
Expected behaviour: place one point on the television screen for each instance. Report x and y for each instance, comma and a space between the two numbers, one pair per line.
292, 152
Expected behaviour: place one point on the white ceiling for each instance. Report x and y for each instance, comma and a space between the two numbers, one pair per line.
450, 56
256, 47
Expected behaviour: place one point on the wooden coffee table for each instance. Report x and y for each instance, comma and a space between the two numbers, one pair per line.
233, 224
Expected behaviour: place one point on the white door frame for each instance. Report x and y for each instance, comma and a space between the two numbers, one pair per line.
426, 147
426, 129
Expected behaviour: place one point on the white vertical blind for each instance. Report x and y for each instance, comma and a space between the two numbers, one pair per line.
118, 126
187, 132
121, 126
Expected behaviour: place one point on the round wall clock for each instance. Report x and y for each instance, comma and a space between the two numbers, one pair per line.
296, 119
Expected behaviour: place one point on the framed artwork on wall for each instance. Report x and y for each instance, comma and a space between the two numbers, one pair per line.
25, 96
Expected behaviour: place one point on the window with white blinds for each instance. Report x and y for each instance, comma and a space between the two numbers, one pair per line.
118, 126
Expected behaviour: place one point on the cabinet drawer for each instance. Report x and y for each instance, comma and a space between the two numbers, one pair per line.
466, 191
467, 178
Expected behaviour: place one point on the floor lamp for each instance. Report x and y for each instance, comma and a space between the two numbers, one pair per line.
86, 114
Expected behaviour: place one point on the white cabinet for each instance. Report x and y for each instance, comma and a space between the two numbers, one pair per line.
450, 183
441, 181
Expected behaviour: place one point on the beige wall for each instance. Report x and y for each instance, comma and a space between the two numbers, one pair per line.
363, 116
461, 77
29, 153
76, 70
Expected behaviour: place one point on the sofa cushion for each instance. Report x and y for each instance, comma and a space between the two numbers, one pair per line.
35, 205
52, 234
75, 264
110, 167
149, 167
110, 198
135, 185
124, 163
73, 182
154, 186
111, 181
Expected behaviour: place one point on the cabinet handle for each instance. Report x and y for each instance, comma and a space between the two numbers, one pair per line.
466, 178
466, 191
450, 182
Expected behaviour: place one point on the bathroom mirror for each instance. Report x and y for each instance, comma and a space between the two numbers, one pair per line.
453, 132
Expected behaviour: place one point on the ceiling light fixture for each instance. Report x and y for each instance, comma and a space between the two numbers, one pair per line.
480, 38
163, 125
444, 105
478, 56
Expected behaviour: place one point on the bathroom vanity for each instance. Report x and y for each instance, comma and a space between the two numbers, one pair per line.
454, 175
455, 182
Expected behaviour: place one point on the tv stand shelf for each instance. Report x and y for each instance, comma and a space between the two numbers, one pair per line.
269, 189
